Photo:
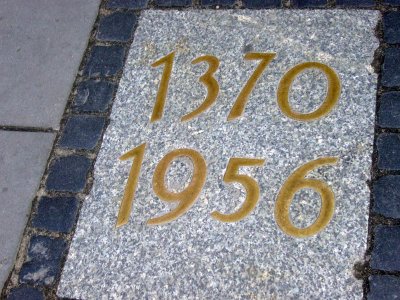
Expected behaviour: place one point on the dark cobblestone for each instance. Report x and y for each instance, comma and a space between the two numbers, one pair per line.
392, 2
134, 4
261, 3
82, 132
309, 3
388, 145
363, 3
391, 27
173, 3
43, 262
68, 174
389, 111
105, 61
387, 196
222, 3
116, 27
25, 293
391, 68
385, 252
93, 96
384, 287
56, 214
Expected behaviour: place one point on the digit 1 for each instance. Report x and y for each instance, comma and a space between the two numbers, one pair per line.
158, 109
240, 103
126, 205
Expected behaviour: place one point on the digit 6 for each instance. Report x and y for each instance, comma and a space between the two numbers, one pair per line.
292, 185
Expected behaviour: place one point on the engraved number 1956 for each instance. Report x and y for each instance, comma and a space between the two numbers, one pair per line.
188, 196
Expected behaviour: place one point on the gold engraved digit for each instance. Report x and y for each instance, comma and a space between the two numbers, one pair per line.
126, 205
331, 98
240, 103
158, 109
251, 186
211, 84
296, 182
188, 196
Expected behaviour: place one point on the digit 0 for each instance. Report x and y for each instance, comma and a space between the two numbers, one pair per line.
331, 98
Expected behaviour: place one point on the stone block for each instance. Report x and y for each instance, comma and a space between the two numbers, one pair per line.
133, 4
388, 145
391, 68
56, 214
386, 248
68, 174
25, 293
389, 110
82, 132
391, 27
383, 287
93, 96
43, 262
117, 27
105, 61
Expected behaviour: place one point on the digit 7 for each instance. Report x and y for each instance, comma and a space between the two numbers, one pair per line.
240, 103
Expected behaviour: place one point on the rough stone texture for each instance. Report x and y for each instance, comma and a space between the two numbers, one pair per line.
93, 96
105, 61
391, 68
195, 256
386, 248
25, 293
82, 132
134, 4
68, 174
117, 26
384, 287
387, 196
391, 27
23, 157
388, 145
43, 262
42, 43
389, 110
56, 214
366, 3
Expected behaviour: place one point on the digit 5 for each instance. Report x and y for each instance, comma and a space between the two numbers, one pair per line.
251, 186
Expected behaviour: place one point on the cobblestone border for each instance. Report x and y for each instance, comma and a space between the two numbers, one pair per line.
68, 177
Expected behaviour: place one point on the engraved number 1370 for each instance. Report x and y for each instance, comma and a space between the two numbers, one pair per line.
212, 86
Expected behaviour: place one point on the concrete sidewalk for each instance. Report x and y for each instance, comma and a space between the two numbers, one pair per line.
42, 43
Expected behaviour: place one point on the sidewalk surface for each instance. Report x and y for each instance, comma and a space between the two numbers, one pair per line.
42, 44
237, 149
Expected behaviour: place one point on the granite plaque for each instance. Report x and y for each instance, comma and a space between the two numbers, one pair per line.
236, 162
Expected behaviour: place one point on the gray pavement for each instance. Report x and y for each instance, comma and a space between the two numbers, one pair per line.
42, 43
23, 156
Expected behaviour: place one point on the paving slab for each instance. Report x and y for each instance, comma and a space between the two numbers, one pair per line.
23, 157
42, 44
269, 248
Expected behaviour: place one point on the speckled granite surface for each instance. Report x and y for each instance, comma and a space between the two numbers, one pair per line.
195, 256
